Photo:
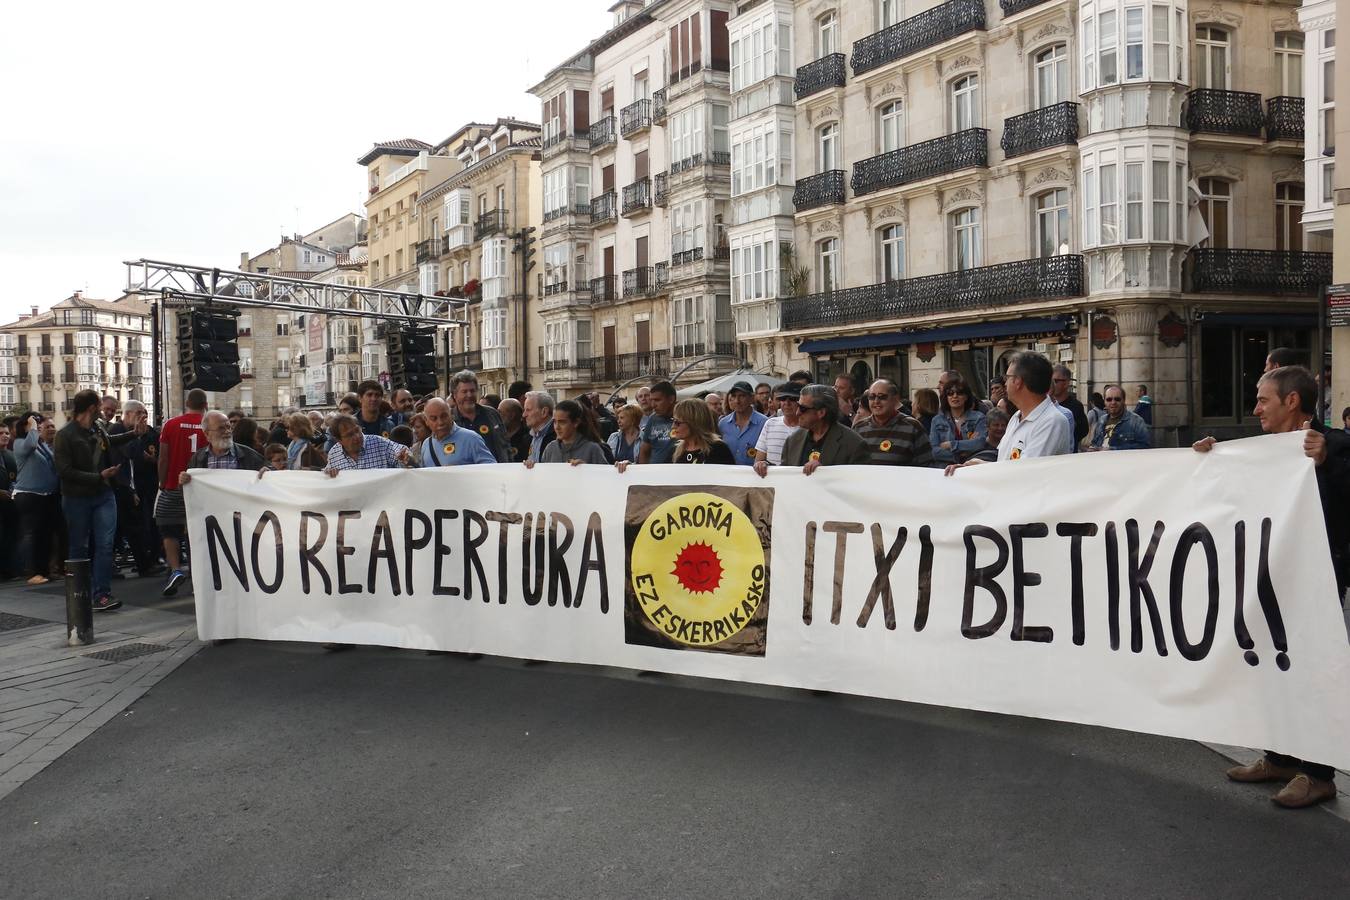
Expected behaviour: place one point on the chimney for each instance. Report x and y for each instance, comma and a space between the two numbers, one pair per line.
75, 296
243, 260
34, 313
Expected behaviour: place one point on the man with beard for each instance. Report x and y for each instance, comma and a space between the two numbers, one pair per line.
221, 452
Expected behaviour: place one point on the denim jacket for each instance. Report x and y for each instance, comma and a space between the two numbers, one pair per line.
1130, 433
964, 445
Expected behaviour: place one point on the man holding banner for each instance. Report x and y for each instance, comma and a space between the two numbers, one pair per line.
353, 449
1039, 428
823, 440
1286, 399
449, 444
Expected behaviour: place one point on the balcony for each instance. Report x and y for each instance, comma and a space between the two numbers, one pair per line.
686, 164
637, 197
565, 140
826, 72
491, 222
635, 118
686, 257
423, 251
1049, 126
658, 106
1229, 271
457, 236
1013, 7
916, 162
604, 289
68, 350
662, 191
645, 281
627, 366
1224, 112
1284, 119
603, 133
604, 208
687, 351
472, 360
819, 190
927, 29
555, 287
969, 289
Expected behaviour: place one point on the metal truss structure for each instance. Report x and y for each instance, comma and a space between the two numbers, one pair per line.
200, 285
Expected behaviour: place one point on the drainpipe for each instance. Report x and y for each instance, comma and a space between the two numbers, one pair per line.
1092, 372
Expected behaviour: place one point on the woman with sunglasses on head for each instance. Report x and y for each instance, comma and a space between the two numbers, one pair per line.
698, 440
959, 430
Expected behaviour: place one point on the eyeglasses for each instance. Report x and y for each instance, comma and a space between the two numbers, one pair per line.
878, 398
956, 393
802, 407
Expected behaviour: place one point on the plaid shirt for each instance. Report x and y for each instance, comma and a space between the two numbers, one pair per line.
223, 460
376, 453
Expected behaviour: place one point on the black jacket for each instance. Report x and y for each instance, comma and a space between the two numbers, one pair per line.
1080, 420
1333, 485
81, 454
250, 460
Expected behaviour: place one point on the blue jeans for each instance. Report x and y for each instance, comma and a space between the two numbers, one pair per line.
96, 516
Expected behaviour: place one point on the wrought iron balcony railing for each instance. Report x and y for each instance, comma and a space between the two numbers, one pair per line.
923, 160
555, 287
686, 351
684, 165
819, 190
635, 117
1284, 119
490, 222
604, 208
645, 281
998, 285
1013, 7
720, 158
658, 106
916, 33
637, 197
1049, 126
625, 366
686, 257
1229, 271
1224, 112
662, 190
603, 133
471, 360
826, 72
604, 288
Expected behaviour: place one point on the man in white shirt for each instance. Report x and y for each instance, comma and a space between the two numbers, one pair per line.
777, 429
1038, 428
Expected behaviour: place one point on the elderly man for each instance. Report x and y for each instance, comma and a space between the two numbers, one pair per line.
715, 404
996, 423
221, 452
822, 440
740, 428
777, 429
108, 408
135, 487
1120, 429
470, 414
539, 419
643, 398
1286, 400
87, 499
517, 435
449, 444
893, 438
354, 449
1039, 428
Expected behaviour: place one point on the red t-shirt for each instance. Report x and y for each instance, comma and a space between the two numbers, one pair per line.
180, 437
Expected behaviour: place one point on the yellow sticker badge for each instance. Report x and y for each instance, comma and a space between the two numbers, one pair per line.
815, 456
885, 446
483, 429
698, 569
449, 448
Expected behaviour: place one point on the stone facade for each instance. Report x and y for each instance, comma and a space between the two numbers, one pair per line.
1109, 182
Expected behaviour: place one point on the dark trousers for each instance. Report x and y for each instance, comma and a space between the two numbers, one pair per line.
1315, 771
40, 523
133, 524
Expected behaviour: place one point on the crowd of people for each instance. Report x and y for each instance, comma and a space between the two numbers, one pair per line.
109, 483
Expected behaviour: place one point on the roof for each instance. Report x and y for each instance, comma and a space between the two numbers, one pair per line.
629, 25
128, 304
400, 147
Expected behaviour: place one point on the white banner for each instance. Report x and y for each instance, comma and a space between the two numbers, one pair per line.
1162, 591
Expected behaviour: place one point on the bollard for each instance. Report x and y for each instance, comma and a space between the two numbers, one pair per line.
79, 605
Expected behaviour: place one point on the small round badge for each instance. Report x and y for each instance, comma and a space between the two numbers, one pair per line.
449, 448
885, 446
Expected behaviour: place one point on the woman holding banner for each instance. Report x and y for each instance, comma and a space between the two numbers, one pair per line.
577, 439
697, 437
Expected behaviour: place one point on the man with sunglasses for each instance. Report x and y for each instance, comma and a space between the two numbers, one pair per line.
893, 438
822, 440
777, 429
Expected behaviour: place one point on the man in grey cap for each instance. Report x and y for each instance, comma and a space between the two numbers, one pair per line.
740, 428
777, 429
822, 440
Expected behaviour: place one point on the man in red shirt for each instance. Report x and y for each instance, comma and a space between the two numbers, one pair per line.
180, 437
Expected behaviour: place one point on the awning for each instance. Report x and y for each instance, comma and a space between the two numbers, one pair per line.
972, 331
1260, 320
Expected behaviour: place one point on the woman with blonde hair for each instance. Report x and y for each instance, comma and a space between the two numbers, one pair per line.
926, 404
695, 432
627, 438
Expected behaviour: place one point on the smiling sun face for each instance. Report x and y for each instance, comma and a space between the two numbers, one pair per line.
698, 569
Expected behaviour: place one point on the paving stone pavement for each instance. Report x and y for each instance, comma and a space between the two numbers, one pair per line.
52, 695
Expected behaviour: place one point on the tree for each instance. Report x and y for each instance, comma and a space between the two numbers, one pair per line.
795, 278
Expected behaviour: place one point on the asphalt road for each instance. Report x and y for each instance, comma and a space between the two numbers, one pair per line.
262, 770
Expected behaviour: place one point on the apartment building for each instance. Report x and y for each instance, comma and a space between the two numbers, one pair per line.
636, 172
398, 172
1117, 184
468, 227
79, 344
331, 354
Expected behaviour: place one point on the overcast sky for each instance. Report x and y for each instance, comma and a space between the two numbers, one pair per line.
191, 132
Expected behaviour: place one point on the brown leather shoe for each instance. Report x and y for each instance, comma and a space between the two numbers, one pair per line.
1261, 770
1304, 791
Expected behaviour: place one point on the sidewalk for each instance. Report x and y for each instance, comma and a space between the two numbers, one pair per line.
53, 696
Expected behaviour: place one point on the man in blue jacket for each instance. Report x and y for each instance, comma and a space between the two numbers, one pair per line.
1120, 429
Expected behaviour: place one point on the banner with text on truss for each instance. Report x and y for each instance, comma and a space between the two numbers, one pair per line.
1162, 591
